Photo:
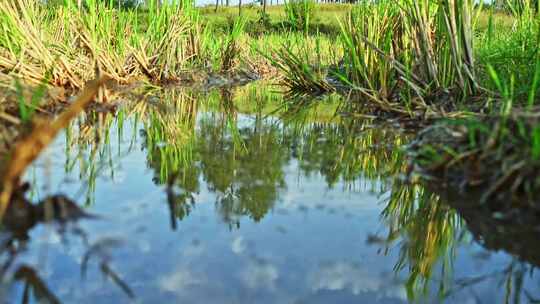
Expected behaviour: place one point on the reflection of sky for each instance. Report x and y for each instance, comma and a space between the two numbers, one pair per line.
311, 248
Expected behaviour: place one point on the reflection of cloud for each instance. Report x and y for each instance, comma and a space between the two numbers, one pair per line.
193, 250
238, 245
349, 276
53, 238
179, 280
144, 246
306, 191
260, 275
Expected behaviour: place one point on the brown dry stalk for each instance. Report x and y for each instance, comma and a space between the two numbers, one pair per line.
29, 148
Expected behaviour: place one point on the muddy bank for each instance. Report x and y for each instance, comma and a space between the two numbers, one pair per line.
496, 154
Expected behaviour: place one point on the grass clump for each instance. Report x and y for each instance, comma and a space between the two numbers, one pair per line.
509, 51
501, 154
501, 150
301, 65
231, 47
368, 32
300, 13
75, 43
404, 55
442, 46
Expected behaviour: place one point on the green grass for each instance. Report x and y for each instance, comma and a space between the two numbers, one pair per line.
75, 45
501, 149
301, 74
367, 31
508, 54
27, 109
413, 49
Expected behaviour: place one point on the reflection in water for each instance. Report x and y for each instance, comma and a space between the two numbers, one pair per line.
311, 179
20, 219
430, 230
244, 162
513, 231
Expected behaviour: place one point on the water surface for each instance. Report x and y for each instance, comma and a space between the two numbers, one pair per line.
209, 198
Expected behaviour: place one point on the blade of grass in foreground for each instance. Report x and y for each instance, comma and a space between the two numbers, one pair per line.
29, 148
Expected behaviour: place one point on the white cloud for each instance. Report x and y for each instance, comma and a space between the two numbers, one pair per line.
238, 245
349, 276
260, 275
178, 280
193, 250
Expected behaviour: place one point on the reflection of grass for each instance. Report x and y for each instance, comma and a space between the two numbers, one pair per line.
256, 98
347, 149
243, 163
253, 176
89, 150
169, 133
430, 230
512, 279
247, 175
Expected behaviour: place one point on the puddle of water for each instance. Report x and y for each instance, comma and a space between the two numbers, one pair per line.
204, 199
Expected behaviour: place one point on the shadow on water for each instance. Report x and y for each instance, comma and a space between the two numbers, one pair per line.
229, 150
